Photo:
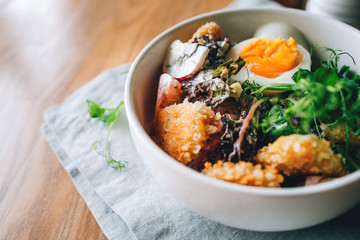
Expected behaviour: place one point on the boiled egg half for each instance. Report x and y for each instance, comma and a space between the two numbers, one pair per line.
269, 60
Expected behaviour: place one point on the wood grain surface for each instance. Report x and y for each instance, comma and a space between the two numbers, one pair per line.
49, 49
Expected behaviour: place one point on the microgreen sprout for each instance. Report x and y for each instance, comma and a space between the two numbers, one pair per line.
106, 115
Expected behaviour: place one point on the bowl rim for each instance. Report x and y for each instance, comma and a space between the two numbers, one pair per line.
137, 128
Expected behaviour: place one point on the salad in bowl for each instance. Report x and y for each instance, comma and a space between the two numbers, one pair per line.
258, 112
251, 117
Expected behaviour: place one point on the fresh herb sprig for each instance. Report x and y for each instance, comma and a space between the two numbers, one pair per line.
106, 115
229, 68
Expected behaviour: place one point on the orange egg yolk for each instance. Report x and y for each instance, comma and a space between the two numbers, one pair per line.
270, 57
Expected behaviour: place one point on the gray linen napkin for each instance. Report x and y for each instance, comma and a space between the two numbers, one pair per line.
130, 204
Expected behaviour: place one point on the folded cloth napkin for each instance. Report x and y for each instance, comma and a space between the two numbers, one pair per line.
129, 204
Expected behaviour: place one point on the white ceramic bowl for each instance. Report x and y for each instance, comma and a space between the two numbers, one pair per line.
239, 206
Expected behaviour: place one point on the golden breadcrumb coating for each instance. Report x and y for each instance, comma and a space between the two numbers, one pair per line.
244, 173
210, 29
301, 154
183, 129
336, 134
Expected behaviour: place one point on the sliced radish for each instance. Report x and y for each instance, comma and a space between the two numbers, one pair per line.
244, 127
169, 92
184, 60
313, 180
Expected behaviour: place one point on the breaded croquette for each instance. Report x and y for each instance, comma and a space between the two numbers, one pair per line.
301, 154
182, 130
244, 173
211, 30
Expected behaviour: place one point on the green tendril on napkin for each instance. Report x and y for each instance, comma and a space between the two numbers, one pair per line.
106, 115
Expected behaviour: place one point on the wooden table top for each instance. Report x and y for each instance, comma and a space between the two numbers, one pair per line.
49, 49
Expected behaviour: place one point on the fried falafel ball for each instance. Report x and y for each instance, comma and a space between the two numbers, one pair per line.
211, 30
182, 130
244, 173
301, 155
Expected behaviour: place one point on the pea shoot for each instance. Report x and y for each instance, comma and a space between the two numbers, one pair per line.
106, 115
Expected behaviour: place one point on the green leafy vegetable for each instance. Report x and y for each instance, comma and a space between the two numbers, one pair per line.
229, 68
329, 96
217, 53
94, 109
110, 117
221, 86
276, 124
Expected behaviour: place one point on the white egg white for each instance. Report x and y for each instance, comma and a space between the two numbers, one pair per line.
303, 61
